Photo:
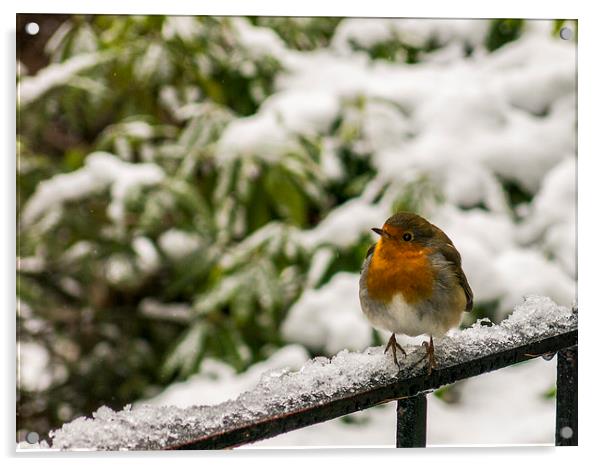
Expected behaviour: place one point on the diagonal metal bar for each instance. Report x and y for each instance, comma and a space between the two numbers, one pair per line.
319, 410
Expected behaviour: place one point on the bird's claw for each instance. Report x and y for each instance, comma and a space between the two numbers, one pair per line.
429, 356
394, 347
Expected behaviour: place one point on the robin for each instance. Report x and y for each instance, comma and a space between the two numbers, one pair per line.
412, 282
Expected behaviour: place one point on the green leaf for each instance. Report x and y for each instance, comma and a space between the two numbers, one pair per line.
550, 393
286, 196
184, 358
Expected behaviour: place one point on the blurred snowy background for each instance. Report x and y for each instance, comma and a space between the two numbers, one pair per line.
195, 197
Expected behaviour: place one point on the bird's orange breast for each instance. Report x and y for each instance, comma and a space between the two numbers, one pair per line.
394, 270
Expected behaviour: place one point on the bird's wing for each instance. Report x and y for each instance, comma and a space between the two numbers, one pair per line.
452, 255
370, 250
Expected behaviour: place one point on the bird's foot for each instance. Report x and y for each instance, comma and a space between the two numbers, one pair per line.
394, 347
429, 356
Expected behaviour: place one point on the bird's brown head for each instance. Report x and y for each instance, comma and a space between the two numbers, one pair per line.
408, 232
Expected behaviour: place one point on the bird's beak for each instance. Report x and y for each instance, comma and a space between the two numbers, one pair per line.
378, 231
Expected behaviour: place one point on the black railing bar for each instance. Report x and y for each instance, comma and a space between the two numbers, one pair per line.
325, 410
566, 397
411, 422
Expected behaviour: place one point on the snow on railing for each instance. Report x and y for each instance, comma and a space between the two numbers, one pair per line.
325, 388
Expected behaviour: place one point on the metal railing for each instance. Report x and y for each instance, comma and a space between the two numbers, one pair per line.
410, 394
325, 389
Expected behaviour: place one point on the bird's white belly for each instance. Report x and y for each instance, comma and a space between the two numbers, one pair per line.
401, 317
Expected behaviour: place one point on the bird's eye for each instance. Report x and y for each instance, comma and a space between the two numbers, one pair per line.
407, 236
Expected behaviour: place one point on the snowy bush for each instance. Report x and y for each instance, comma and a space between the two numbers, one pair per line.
194, 188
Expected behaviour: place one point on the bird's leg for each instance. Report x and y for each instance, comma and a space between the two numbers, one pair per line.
394, 347
430, 354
